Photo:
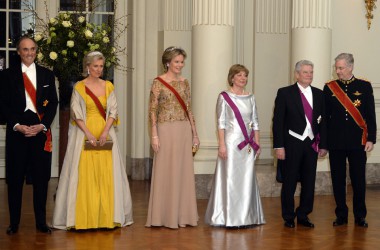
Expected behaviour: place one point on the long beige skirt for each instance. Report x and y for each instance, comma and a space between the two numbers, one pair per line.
172, 201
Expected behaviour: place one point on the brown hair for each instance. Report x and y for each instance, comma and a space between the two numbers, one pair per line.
235, 69
170, 53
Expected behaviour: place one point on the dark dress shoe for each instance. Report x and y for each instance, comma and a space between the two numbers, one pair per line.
305, 222
44, 229
289, 223
12, 230
340, 221
361, 222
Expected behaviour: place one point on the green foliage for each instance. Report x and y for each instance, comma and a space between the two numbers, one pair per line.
64, 40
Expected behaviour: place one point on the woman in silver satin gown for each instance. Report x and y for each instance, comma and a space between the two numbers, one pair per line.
235, 197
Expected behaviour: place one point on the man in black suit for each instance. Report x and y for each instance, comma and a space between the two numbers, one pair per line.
29, 102
351, 126
299, 136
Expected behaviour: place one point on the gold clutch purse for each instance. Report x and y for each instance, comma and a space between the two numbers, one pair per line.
194, 149
107, 146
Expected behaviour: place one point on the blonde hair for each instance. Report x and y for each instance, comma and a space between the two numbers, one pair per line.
90, 58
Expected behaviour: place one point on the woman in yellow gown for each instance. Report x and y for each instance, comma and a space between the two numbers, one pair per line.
93, 190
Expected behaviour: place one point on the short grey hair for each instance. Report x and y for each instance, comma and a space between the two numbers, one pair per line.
347, 57
301, 63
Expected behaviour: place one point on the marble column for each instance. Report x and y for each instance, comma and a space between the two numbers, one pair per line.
119, 82
311, 40
212, 56
138, 125
175, 30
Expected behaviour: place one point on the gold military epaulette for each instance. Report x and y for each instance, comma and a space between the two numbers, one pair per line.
363, 79
331, 80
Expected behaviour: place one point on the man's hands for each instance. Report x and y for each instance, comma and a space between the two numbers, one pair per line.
30, 131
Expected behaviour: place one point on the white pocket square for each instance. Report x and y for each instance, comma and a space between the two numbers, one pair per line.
45, 86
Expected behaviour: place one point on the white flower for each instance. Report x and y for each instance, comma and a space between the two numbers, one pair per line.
40, 56
106, 39
104, 32
38, 37
66, 24
53, 55
70, 43
81, 19
53, 20
319, 119
88, 33
66, 16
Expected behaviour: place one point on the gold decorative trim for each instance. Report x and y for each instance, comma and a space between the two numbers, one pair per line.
369, 5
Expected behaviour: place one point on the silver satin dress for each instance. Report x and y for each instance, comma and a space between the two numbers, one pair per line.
235, 197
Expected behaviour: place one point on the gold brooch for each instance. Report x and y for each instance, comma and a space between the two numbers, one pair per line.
357, 103
357, 93
45, 103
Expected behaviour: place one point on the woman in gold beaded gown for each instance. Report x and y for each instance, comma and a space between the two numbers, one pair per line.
172, 201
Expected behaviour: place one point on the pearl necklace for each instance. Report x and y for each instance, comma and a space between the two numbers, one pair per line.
237, 93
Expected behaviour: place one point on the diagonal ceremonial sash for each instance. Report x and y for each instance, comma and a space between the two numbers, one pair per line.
350, 107
31, 91
309, 114
180, 100
97, 102
248, 140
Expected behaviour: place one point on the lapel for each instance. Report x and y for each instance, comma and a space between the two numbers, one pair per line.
39, 83
19, 81
316, 101
297, 99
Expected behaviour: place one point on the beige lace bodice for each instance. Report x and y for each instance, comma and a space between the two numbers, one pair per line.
164, 106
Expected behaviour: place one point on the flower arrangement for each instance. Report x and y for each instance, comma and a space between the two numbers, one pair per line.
64, 40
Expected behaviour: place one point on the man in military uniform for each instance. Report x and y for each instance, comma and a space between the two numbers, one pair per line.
351, 133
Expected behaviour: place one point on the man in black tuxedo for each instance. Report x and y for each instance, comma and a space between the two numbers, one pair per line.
29, 102
299, 136
351, 128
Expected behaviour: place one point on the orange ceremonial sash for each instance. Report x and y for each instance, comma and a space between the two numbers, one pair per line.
350, 107
33, 96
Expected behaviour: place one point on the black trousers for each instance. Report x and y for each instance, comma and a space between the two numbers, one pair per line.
25, 156
357, 160
300, 163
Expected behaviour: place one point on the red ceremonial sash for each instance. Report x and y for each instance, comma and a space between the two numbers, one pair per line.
350, 107
31, 91
97, 102
176, 95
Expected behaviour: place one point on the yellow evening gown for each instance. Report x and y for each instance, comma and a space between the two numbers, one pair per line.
95, 195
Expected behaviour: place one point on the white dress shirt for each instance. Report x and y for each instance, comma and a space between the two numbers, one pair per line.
31, 73
308, 132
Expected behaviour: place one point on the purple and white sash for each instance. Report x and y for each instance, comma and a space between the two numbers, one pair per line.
248, 140
309, 114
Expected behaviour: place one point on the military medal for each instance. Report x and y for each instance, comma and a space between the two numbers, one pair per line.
357, 103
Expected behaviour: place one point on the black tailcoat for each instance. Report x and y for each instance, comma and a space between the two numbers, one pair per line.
300, 159
25, 156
